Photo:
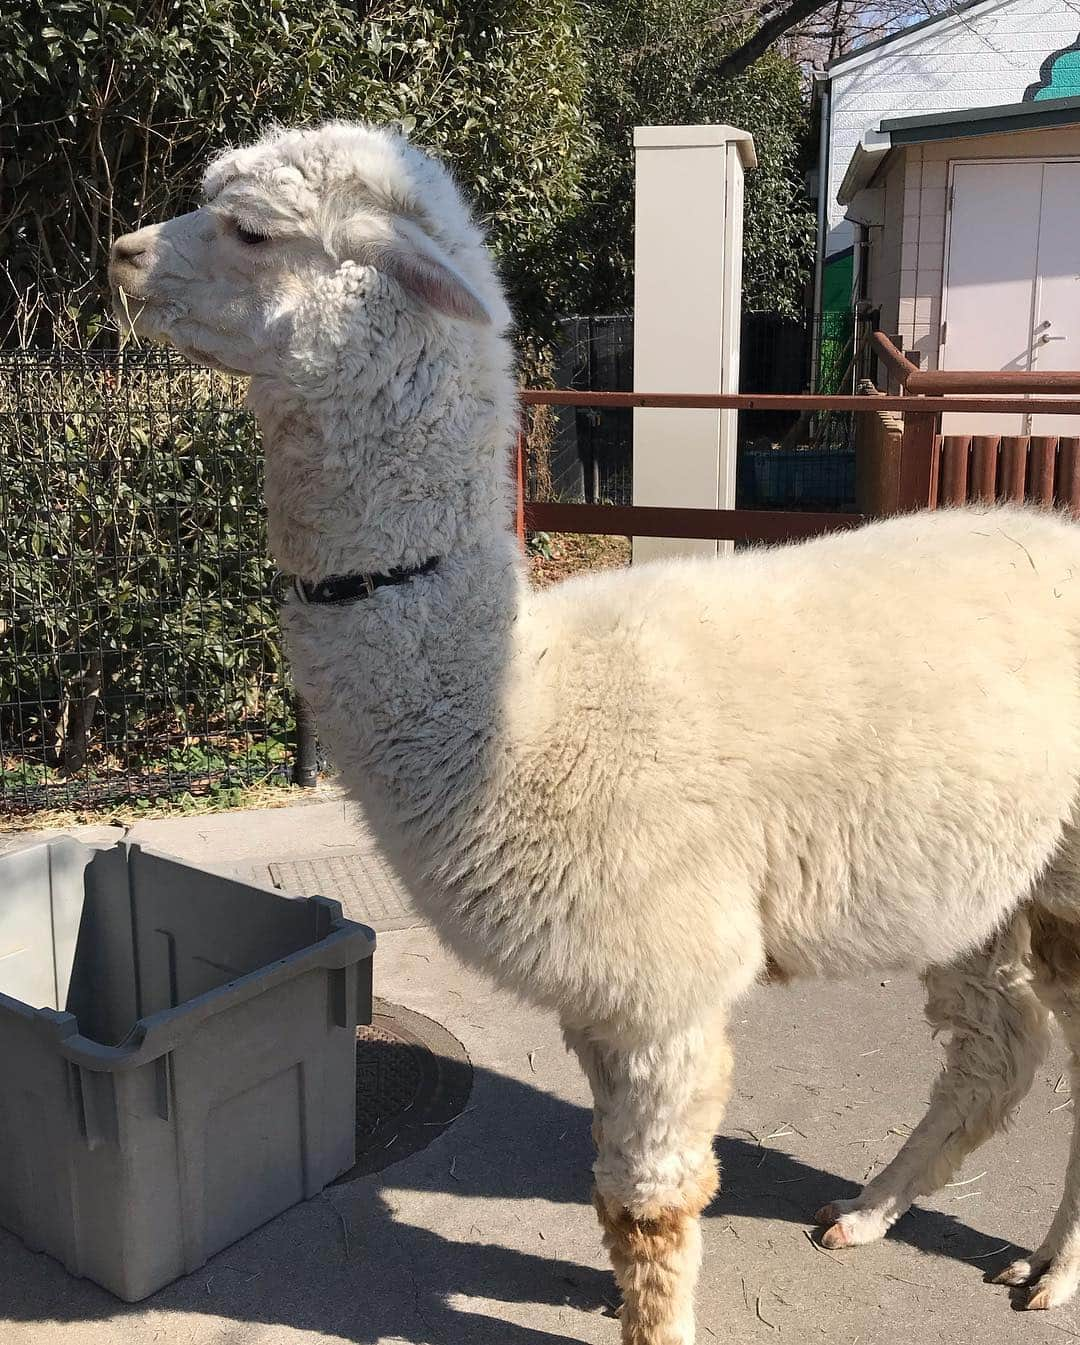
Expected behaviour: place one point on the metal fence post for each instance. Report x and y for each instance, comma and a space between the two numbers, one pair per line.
306, 765
520, 449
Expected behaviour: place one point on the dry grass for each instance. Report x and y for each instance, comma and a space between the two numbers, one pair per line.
577, 553
125, 815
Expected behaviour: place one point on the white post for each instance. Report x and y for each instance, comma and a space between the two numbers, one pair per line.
687, 305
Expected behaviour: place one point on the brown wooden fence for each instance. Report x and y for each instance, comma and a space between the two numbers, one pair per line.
1044, 469
930, 470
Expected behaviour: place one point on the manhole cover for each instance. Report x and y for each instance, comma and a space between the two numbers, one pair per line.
412, 1080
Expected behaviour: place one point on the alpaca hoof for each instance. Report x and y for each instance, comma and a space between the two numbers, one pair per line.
836, 1237
1015, 1275
1056, 1286
1040, 1301
850, 1224
1046, 1296
1050, 1281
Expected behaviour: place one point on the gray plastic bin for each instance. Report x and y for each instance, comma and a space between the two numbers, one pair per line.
177, 1057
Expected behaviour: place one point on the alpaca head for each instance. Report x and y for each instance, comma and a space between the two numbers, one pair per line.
301, 234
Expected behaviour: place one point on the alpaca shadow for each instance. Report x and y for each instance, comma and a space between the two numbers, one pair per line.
762, 1183
359, 1265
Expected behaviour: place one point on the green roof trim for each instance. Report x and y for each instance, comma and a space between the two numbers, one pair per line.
1028, 116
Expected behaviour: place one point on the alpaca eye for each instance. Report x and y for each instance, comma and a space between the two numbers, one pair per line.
250, 236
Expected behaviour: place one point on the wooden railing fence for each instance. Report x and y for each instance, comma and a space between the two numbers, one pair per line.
930, 470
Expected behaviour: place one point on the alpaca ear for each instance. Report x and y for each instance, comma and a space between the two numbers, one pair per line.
432, 281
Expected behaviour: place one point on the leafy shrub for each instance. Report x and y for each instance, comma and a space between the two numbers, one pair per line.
649, 66
111, 111
139, 627
114, 110
137, 634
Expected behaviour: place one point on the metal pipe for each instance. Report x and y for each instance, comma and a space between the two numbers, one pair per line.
896, 360
964, 381
822, 230
724, 525
306, 765
1007, 380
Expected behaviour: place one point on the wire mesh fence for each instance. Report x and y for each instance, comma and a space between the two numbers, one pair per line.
590, 451
788, 461
785, 462
138, 633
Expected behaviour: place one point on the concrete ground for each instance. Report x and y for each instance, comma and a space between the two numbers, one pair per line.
487, 1238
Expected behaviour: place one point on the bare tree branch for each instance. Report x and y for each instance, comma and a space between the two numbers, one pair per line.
759, 42
820, 30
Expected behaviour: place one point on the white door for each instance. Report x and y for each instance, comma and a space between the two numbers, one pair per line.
990, 277
1012, 279
1056, 331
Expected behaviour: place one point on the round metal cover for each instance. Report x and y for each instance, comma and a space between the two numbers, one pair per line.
412, 1080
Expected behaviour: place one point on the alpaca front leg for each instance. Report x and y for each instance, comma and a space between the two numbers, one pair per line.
655, 1253
657, 1108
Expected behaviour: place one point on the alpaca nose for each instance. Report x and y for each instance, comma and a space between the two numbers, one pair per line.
127, 250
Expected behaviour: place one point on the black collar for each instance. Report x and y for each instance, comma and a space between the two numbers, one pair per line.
341, 589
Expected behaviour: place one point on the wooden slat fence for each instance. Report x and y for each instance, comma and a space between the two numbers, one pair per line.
1043, 469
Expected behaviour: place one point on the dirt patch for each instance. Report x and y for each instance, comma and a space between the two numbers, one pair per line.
556, 556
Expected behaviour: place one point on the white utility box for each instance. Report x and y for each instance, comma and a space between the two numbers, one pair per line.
687, 309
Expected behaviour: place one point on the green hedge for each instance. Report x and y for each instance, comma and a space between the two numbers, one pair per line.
111, 111
135, 583
114, 111
133, 579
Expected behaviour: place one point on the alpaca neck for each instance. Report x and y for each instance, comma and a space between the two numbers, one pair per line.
384, 467
409, 683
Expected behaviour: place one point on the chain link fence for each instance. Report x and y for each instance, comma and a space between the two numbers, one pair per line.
139, 653
785, 462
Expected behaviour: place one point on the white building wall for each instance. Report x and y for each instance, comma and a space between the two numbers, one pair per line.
886, 248
985, 56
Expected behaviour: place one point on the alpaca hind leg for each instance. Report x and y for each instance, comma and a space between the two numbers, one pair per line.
999, 1035
1052, 1273
657, 1108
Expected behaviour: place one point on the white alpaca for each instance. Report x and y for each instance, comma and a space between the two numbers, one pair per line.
626, 797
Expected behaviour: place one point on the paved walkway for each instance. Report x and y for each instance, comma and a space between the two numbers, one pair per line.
321, 847
487, 1238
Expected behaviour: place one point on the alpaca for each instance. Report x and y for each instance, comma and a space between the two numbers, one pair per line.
627, 797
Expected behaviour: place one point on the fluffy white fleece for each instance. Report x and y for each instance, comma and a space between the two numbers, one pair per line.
622, 795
